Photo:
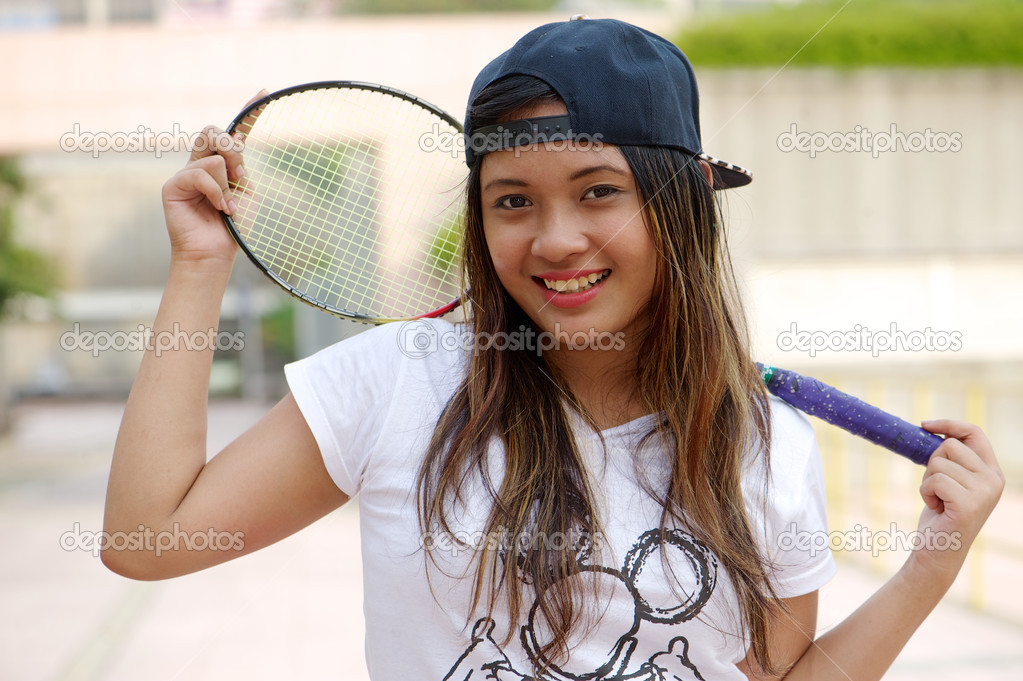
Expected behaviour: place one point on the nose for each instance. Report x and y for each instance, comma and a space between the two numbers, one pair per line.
561, 233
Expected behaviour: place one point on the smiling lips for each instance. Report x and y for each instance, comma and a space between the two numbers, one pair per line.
571, 289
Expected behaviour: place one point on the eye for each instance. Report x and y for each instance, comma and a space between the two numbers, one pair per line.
513, 202
600, 192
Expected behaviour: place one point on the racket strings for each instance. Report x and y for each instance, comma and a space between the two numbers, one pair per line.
300, 259
382, 285
345, 204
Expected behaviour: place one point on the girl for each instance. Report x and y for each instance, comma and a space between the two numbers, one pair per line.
604, 497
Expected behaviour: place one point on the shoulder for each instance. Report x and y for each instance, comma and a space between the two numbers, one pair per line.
789, 496
790, 474
792, 435
422, 342
364, 397
379, 360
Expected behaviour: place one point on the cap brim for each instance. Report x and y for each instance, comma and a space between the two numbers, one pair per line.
726, 175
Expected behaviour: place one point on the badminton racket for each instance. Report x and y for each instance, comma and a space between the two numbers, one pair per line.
351, 199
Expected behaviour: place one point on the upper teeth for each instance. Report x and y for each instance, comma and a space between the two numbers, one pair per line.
580, 283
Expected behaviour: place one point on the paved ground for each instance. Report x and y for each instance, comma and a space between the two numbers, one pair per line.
291, 611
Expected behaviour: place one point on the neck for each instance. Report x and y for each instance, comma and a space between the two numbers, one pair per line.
603, 382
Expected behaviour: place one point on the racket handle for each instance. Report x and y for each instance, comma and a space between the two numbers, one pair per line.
851, 414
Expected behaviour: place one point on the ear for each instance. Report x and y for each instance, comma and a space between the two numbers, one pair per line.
707, 172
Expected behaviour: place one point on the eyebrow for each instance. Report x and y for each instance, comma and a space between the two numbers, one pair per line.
513, 182
596, 169
505, 182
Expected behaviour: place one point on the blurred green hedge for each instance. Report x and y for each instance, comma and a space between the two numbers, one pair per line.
22, 270
877, 33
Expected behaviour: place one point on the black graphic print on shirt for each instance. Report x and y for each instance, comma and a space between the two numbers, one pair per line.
633, 595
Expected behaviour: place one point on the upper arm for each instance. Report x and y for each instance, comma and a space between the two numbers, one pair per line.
267, 484
791, 633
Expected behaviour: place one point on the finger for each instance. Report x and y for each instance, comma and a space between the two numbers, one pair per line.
203, 145
216, 166
954, 450
214, 192
244, 126
256, 97
214, 141
208, 176
968, 459
240, 132
940, 463
960, 430
943, 463
967, 433
190, 183
939, 488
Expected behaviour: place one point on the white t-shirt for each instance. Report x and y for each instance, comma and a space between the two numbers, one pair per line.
372, 402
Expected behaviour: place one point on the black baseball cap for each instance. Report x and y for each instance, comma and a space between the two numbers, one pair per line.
621, 84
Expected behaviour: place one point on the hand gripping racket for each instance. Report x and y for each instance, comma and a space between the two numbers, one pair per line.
352, 199
351, 202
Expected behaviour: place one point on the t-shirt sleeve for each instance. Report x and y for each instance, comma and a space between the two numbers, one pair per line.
789, 509
345, 393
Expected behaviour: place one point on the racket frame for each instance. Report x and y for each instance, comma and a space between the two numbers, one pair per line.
239, 120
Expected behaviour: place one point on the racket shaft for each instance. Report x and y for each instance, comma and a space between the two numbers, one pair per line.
851, 414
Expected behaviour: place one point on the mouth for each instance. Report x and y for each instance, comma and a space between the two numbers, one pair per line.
558, 283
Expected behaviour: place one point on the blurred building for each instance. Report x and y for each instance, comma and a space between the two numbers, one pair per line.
37, 14
885, 206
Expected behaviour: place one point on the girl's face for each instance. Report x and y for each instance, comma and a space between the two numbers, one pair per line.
565, 229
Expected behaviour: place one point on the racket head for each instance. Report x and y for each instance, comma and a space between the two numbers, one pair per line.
352, 199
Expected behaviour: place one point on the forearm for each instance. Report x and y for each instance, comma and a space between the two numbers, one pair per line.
161, 445
865, 644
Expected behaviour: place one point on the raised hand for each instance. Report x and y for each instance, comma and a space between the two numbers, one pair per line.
194, 197
960, 488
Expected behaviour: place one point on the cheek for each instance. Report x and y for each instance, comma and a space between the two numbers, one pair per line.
640, 252
631, 243
506, 252
502, 268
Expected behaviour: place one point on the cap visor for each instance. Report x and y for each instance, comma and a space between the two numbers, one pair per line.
727, 175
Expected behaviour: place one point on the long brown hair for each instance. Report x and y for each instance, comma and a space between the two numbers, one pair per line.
695, 371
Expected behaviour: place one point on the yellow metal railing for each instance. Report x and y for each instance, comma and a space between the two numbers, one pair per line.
871, 489
976, 412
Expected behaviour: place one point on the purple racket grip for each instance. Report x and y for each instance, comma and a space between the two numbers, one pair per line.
849, 413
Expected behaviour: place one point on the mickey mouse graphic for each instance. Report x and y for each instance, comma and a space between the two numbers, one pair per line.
618, 618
